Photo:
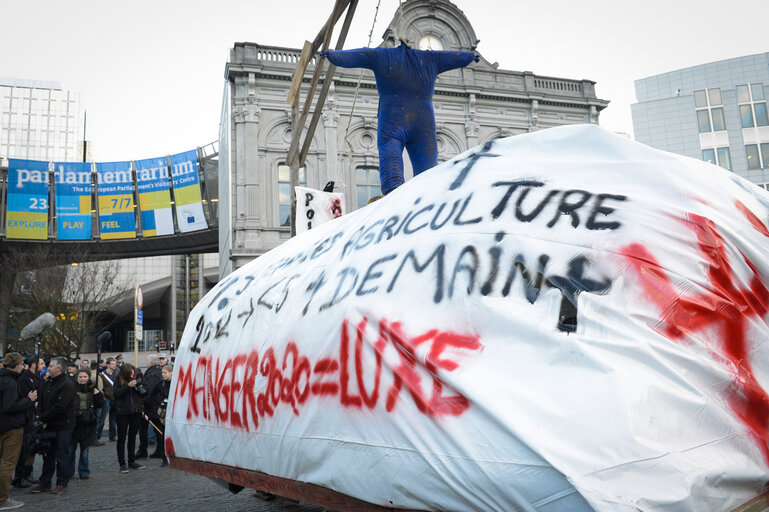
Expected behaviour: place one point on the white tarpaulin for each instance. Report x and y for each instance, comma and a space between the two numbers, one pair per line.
316, 207
560, 321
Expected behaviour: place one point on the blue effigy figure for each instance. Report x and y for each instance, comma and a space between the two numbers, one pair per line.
405, 80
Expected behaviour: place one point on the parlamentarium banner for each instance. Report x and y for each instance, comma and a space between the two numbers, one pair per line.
154, 187
117, 218
189, 207
565, 320
27, 203
73, 200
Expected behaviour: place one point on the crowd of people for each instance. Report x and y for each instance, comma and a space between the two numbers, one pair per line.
59, 409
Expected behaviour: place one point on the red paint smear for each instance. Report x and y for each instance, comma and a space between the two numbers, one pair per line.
214, 386
170, 450
726, 310
754, 221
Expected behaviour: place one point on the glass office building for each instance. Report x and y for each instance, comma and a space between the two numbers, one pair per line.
39, 121
716, 112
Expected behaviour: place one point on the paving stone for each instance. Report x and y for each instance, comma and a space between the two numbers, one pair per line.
149, 489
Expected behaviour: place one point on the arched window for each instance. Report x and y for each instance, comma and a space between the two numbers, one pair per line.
284, 191
367, 185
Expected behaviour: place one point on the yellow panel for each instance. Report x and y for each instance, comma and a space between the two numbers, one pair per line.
121, 234
187, 195
85, 204
27, 225
116, 204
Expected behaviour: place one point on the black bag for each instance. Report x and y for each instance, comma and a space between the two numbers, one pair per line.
41, 440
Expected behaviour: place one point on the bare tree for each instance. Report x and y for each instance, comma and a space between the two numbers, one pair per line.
80, 296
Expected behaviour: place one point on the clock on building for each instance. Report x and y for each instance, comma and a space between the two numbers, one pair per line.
430, 43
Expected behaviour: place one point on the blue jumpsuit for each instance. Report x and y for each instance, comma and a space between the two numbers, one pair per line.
405, 80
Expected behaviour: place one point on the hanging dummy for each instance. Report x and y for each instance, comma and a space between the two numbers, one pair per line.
405, 80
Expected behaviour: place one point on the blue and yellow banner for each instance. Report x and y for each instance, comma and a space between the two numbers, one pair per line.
189, 208
153, 185
116, 200
73, 200
27, 209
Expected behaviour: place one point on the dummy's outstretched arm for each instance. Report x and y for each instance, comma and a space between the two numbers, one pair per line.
446, 60
357, 58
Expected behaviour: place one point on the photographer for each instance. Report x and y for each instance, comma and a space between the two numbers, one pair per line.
128, 406
13, 417
88, 400
56, 415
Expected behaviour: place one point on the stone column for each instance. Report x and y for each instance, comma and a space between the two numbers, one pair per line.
245, 114
333, 173
472, 127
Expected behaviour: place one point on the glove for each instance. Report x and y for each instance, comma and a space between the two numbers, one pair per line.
477, 58
324, 54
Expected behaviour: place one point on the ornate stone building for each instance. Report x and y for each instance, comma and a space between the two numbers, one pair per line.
472, 105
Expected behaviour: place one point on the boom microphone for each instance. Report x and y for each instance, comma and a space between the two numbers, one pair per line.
38, 326
104, 337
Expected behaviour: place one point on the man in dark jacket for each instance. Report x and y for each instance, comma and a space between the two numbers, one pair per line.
56, 413
13, 415
29, 380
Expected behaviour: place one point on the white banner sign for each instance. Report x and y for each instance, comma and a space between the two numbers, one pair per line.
316, 207
564, 320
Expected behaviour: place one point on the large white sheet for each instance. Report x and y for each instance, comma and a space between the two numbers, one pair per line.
564, 320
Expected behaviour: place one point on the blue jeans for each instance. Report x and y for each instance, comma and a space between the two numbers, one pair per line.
108, 409
151, 433
56, 459
78, 439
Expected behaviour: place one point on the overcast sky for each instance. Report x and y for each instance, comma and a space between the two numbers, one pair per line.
151, 73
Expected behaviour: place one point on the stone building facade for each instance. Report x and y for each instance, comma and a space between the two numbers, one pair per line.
473, 105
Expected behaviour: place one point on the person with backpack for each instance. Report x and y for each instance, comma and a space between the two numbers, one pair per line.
87, 401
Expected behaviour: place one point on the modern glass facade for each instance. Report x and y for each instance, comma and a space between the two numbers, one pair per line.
716, 112
39, 121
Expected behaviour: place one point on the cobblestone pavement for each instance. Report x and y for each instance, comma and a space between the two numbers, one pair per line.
150, 489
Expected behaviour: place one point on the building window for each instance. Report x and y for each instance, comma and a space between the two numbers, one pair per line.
703, 119
710, 115
754, 161
719, 122
761, 118
752, 102
765, 154
367, 185
284, 192
719, 156
746, 114
714, 95
724, 158
700, 99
